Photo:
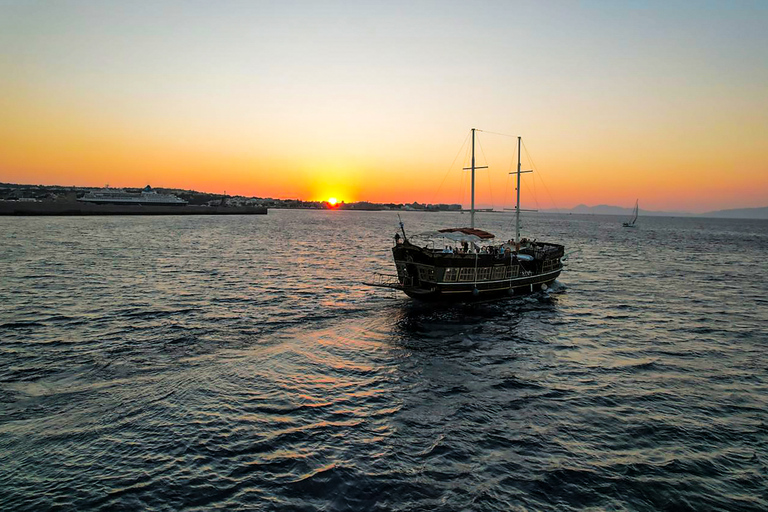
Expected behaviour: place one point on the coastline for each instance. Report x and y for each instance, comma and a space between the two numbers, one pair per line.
75, 208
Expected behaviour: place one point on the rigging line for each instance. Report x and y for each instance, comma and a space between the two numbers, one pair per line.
505, 189
535, 197
462, 180
450, 167
487, 174
533, 165
497, 133
466, 179
514, 159
509, 172
535, 200
490, 188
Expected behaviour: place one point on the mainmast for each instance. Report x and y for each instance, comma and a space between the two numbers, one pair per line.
472, 205
517, 206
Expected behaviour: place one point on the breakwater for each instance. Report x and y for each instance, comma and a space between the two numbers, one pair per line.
65, 208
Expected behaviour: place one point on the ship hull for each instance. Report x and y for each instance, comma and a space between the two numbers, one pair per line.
467, 292
428, 275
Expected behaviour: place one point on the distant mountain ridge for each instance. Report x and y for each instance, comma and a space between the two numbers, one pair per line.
739, 213
604, 209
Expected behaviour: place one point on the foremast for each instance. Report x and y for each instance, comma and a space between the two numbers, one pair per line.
473, 168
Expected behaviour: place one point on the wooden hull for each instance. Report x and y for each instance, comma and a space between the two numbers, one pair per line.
466, 292
427, 275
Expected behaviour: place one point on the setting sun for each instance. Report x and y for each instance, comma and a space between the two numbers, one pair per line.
332, 201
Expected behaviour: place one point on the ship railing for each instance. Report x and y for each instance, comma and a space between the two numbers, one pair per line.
548, 251
389, 281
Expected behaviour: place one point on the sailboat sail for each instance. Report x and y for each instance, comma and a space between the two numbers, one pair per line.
635, 212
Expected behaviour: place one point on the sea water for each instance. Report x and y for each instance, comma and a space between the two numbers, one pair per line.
201, 363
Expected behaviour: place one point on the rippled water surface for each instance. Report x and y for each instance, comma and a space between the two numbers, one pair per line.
199, 363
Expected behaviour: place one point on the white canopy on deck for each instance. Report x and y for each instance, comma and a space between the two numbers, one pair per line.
455, 237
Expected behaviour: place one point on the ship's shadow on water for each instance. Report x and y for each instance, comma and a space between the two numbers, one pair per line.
475, 402
425, 326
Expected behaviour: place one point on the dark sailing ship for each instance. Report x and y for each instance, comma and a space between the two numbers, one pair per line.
475, 268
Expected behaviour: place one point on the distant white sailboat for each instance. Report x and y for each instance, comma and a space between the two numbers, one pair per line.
631, 223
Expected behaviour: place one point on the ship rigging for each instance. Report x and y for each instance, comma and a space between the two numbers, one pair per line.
474, 269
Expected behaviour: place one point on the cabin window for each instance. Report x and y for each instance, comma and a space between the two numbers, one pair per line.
483, 273
549, 265
513, 271
498, 273
427, 273
467, 274
451, 274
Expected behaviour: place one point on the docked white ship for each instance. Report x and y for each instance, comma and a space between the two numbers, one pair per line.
146, 197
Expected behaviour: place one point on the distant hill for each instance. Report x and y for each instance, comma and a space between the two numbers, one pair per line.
739, 213
604, 209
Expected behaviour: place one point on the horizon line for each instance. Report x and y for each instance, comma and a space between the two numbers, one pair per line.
486, 208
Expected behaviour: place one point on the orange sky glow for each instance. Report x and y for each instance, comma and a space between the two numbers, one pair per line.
373, 102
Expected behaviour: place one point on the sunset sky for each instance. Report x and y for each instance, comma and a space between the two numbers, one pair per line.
662, 101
